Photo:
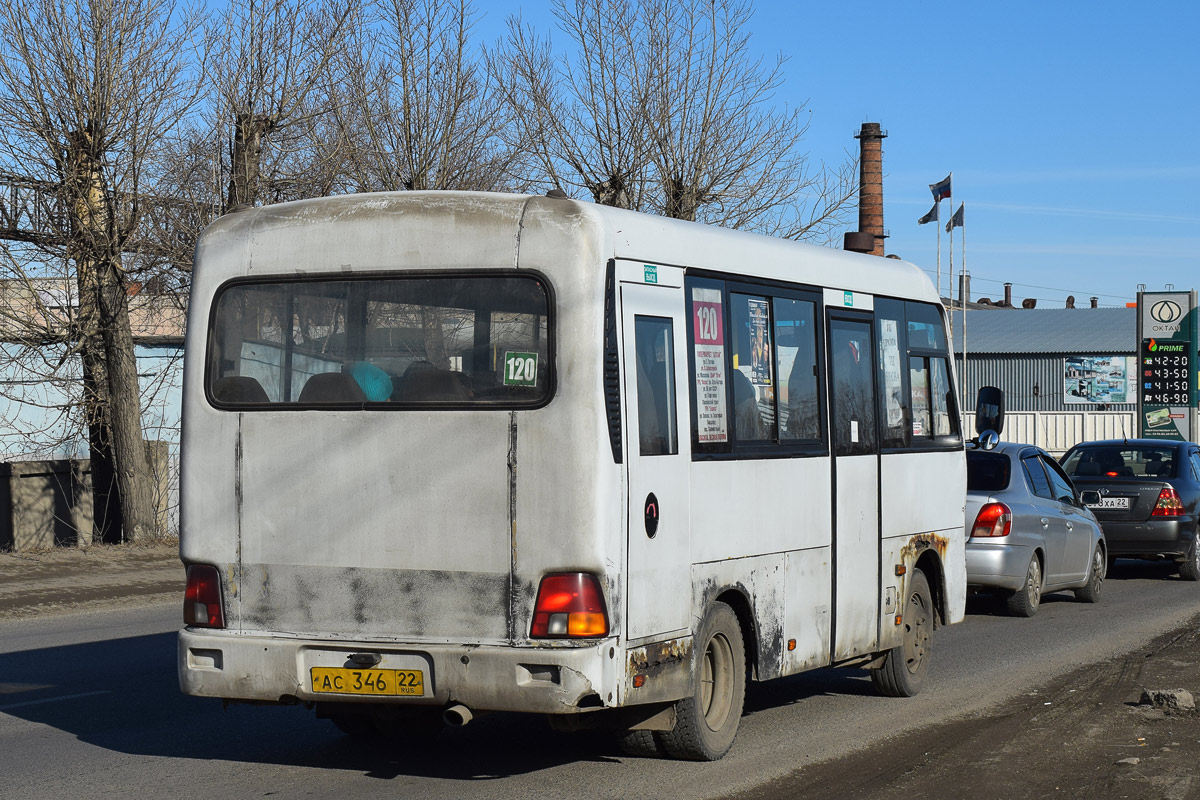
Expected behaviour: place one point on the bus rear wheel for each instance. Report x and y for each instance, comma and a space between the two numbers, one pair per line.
905, 666
706, 722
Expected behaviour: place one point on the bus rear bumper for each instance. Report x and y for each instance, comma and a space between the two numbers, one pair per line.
549, 680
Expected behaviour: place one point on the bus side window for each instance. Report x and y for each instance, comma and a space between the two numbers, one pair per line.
657, 431
796, 356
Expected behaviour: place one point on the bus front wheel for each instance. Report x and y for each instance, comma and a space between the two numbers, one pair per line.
706, 721
905, 666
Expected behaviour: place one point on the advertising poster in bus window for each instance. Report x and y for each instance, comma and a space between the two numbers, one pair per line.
760, 356
889, 353
709, 335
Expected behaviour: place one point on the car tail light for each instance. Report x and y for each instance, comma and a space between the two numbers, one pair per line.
994, 519
569, 605
202, 600
1168, 504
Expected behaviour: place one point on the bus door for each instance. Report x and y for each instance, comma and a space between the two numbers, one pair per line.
657, 451
855, 442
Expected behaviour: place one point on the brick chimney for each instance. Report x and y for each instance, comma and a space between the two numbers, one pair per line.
870, 235
1008, 294
870, 182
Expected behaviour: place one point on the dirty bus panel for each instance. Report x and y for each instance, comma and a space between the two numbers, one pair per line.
450, 452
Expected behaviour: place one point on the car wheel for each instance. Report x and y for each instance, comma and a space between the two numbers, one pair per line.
904, 667
1090, 591
706, 721
1025, 601
1189, 569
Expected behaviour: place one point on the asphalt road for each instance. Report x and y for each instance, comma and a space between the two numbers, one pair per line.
89, 707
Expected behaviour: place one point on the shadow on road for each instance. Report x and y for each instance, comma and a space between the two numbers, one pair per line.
122, 695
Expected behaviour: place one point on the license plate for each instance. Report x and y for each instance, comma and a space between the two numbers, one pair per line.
1111, 502
377, 682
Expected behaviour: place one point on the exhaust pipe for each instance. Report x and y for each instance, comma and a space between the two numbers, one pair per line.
457, 715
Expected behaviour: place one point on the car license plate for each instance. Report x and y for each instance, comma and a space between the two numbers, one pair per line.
379, 682
1111, 502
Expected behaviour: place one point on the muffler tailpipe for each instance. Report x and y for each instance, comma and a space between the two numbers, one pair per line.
457, 715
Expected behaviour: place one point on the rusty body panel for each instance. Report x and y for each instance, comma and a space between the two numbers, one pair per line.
664, 670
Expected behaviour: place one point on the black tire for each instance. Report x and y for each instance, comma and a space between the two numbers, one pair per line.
905, 666
706, 721
1090, 591
641, 744
1189, 568
1025, 601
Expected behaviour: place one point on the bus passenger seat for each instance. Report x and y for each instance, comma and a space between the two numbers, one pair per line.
239, 389
434, 384
332, 387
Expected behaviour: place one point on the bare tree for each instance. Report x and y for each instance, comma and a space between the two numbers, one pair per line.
268, 77
722, 152
421, 110
662, 106
88, 88
581, 115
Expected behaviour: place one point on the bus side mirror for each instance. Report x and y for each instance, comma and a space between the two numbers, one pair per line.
989, 416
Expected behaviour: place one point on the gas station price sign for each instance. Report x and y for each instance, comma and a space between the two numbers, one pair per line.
1166, 377
1168, 331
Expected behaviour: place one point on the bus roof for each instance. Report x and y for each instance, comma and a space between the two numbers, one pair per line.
354, 229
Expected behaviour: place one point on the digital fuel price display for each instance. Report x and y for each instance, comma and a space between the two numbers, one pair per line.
1166, 373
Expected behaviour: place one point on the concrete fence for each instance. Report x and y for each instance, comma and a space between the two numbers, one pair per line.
47, 504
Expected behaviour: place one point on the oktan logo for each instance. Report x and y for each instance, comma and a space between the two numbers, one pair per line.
1166, 311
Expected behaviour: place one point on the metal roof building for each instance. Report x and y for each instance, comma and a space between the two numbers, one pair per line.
1050, 330
1055, 359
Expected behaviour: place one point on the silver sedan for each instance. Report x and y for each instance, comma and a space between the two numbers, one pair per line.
1028, 530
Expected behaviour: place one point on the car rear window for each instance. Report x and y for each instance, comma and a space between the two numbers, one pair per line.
987, 472
1109, 461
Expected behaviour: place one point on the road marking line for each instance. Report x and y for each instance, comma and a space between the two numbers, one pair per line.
54, 699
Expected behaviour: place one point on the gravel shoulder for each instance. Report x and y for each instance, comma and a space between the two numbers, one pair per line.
1083, 735
68, 579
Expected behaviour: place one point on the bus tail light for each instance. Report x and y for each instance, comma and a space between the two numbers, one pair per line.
569, 605
994, 519
202, 600
1169, 504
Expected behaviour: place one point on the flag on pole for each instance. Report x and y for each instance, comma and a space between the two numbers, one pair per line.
932, 216
956, 221
941, 189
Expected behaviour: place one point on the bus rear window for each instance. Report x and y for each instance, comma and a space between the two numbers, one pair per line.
459, 341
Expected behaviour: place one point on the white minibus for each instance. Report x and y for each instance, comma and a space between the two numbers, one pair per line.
447, 453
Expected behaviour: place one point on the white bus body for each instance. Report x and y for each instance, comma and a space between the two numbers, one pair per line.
733, 456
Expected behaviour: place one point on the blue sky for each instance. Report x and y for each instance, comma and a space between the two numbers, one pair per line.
1071, 128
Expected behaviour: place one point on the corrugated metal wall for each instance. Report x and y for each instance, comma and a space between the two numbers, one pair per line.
1042, 417
1029, 383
